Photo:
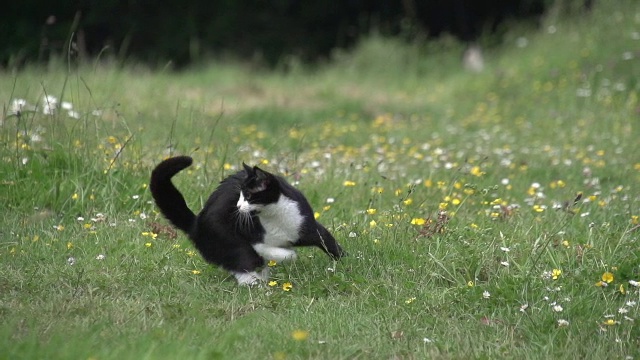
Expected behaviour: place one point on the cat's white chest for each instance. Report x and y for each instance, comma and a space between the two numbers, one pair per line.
281, 221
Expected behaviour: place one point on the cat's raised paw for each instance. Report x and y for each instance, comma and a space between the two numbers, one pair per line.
276, 254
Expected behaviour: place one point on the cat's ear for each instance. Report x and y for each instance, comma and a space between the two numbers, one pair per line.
263, 177
261, 174
248, 169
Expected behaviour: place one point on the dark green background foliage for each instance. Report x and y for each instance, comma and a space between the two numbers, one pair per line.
182, 31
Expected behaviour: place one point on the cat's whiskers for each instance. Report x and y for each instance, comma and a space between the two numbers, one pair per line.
243, 221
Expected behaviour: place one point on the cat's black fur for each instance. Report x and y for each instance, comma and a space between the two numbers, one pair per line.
228, 237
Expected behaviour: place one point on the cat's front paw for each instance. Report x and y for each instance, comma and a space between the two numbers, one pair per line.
250, 278
276, 254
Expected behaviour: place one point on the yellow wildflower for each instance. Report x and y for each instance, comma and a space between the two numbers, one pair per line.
300, 335
607, 277
476, 171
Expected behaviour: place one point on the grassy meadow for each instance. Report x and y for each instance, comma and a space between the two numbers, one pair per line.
486, 215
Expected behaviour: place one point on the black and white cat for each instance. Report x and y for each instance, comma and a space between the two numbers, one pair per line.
251, 217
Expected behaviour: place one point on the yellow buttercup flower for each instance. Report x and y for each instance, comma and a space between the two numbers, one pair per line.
607, 277
300, 335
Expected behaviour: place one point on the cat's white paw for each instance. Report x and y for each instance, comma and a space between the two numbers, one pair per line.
248, 278
264, 274
276, 254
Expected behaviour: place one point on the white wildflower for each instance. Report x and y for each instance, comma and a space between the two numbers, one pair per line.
49, 104
17, 106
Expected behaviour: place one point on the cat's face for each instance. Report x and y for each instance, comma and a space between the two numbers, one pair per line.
258, 190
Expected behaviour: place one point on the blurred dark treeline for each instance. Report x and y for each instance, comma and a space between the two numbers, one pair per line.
185, 31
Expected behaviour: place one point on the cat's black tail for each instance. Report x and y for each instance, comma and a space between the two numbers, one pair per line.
167, 197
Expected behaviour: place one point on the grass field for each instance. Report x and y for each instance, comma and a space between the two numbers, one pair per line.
490, 215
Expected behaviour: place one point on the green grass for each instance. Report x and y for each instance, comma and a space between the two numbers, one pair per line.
393, 134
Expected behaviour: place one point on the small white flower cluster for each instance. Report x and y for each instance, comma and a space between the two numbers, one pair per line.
50, 106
